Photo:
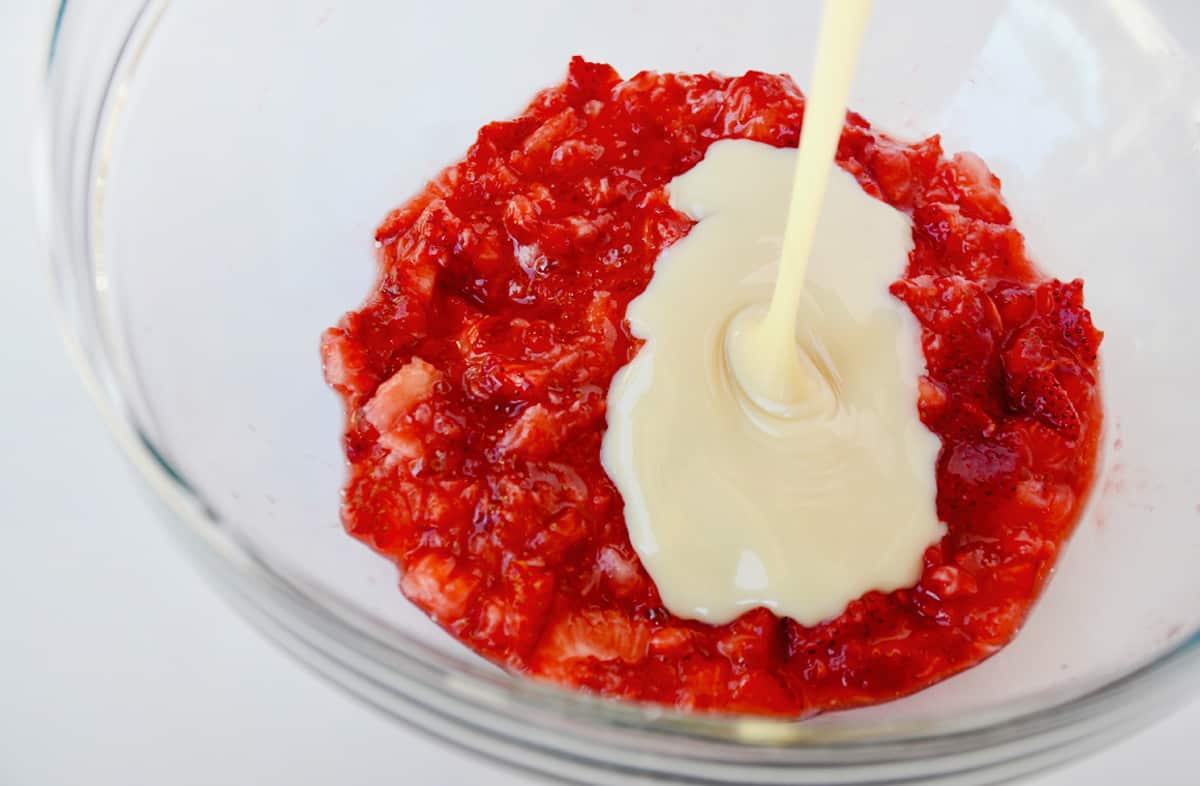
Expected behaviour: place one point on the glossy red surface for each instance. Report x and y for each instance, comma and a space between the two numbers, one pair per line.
475, 375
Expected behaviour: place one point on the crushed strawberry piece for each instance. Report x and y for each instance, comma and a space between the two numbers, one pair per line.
400, 394
474, 379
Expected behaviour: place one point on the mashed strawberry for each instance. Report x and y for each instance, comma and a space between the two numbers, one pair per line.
475, 376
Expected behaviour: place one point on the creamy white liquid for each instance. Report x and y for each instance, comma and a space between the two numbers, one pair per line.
729, 506
763, 352
773, 456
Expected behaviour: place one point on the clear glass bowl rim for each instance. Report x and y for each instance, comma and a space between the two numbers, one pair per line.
521, 722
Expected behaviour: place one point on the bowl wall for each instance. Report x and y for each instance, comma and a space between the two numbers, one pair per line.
221, 214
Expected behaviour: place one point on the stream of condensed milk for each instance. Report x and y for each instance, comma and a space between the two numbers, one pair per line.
762, 347
773, 456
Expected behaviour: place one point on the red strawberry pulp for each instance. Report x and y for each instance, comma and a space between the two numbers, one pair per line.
475, 374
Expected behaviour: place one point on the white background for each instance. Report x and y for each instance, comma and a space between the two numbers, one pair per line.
117, 664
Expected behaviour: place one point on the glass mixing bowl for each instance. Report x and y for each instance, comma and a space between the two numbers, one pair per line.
211, 175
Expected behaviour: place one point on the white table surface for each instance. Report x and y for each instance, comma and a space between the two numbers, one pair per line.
118, 665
